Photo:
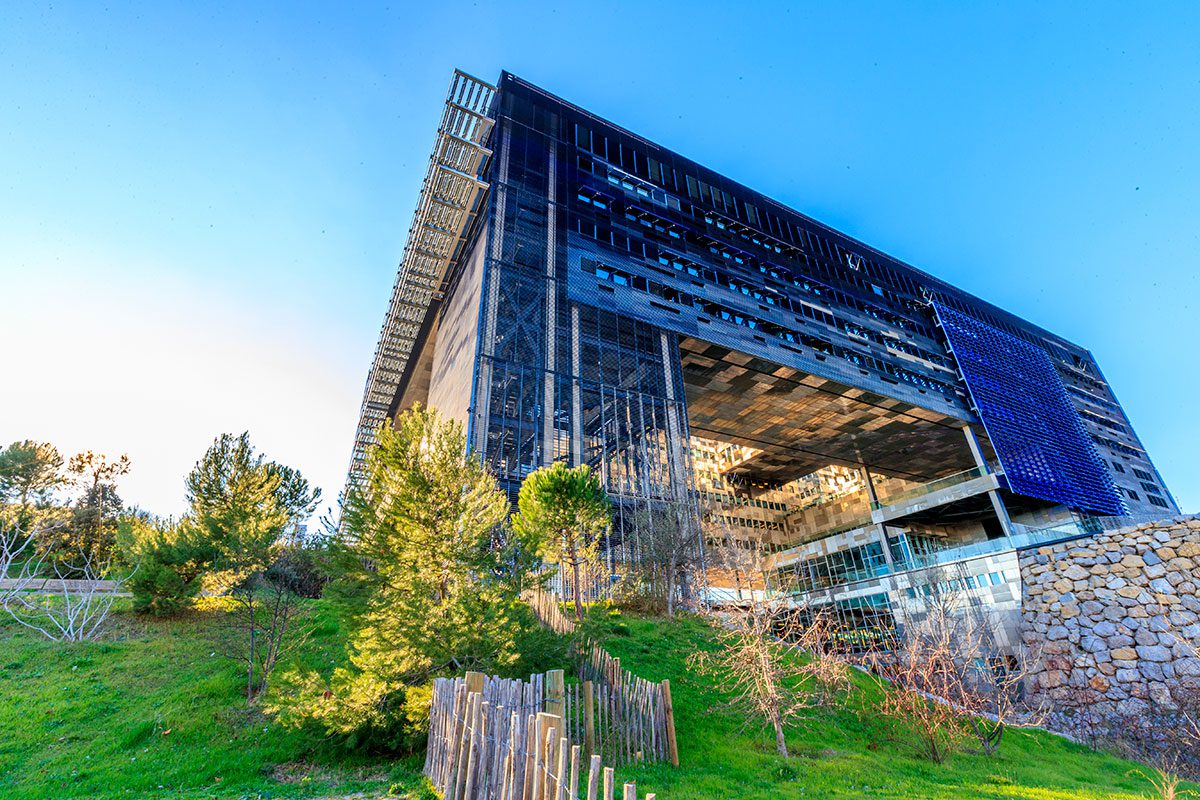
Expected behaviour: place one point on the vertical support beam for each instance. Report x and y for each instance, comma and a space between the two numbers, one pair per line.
669, 713
976, 450
678, 455
874, 500
576, 391
866, 473
589, 718
551, 333
674, 429
984, 469
475, 682
487, 336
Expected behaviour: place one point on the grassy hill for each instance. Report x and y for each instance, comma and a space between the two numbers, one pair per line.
838, 754
155, 711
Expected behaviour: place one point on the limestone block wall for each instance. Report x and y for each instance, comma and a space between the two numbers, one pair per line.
1114, 620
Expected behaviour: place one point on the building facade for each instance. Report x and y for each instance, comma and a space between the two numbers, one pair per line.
573, 292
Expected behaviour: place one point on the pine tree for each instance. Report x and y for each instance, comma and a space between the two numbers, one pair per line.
566, 510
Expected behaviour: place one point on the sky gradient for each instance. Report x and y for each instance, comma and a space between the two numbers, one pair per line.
202, 206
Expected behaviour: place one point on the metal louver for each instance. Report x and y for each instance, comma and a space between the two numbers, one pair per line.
448, 200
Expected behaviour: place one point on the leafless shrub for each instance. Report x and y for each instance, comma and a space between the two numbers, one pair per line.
923, 686
757, 663
949, 681
662, 570
732, 560
73, 605
267, 622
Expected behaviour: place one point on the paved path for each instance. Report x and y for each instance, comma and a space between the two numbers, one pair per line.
56, 586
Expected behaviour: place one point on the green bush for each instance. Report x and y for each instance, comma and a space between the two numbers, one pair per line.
355, 710
167, 561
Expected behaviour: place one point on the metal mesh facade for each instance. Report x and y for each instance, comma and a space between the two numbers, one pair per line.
1032, 424
616, 276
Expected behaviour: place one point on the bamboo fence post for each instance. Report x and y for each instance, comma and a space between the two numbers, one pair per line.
608, 783
554, 692
630, 792
461, 748
560, 783
669, 714
530, 756
475, 682
593, 786
506, 779
474, 720
589, 719
573, 787
538, 750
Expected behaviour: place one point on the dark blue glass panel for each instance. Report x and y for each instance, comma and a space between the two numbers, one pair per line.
1033, 426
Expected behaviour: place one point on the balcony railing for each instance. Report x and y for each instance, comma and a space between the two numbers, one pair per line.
932, 486
925, 555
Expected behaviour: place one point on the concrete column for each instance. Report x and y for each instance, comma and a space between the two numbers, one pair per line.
874, 500
994, 496
866, 473
675, 442
491, 280
976, 450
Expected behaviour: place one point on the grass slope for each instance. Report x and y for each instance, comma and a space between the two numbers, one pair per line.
155, 711
838, 754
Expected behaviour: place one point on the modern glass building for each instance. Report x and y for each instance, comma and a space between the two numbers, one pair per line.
571, 291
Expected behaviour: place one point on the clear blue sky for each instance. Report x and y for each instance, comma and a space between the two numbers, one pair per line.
202, 205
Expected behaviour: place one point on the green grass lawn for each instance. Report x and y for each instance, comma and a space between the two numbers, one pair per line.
155, 711
836, 754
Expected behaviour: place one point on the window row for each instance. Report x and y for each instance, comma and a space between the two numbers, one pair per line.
822, 347
956, 585
766, 294
725, 251
595, 141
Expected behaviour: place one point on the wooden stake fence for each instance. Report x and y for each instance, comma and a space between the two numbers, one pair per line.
625, 718
490, 740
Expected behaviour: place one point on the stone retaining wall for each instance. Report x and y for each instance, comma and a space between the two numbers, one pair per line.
1113, 621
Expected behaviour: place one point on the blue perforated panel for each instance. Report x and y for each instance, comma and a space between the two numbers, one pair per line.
1033, 426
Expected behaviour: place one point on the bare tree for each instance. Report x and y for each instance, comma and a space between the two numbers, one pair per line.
816, 634
16, 544
923, 684
731, 558
268, 620
70, 607
947, 677
668, 555
757, 662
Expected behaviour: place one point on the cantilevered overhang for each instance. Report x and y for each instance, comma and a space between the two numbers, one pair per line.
801, 422
450, 197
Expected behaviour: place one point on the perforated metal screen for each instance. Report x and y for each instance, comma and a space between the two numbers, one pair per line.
1033, 426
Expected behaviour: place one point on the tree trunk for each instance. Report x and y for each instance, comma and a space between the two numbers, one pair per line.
671, 575
578, 602
250, 657
780, 742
